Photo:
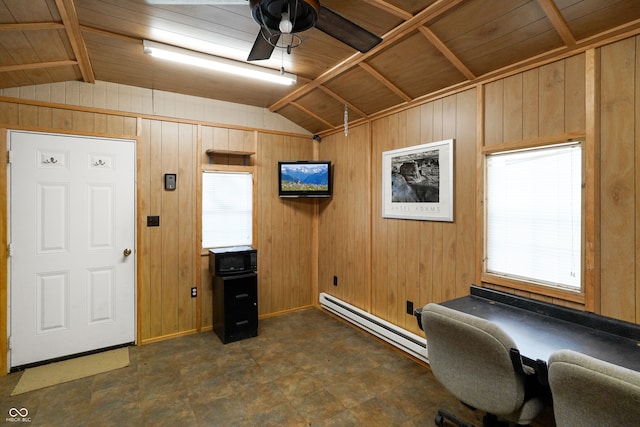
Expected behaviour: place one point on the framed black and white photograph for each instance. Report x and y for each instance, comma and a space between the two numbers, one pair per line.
417, 182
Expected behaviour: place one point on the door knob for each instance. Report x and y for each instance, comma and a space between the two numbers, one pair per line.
127, 252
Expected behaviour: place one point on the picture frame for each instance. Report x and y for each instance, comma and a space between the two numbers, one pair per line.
417, 182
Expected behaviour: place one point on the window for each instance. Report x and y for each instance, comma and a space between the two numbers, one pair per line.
227, 209
534, 215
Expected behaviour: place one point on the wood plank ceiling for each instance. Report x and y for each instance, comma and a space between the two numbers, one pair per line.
429, 46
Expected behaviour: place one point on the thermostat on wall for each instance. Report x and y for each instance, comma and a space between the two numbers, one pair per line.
169, 181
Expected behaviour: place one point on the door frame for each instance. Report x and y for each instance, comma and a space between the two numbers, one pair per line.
4, 232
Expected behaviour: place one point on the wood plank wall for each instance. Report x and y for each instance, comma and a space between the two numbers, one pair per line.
223, 139
167, 253
286, 230
136, 100
538, 106
548, 101
283, 229
619, 292
381, 263
426, 261
344, 230
401, 260
170, 261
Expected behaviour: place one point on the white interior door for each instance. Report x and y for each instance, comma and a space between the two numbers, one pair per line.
72, 260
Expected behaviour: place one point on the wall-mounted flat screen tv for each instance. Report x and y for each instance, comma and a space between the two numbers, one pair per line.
304, 178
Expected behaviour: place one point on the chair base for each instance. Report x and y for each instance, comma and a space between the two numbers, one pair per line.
489, 420
443, 415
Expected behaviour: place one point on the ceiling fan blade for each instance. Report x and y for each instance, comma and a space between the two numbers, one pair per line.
262, 49
346, 31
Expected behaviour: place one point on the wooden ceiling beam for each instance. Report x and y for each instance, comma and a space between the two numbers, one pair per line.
32, 26
439, 44
69, 15
382, 79
37, 65
557, 20
343, 101
392, 9
630, 29
430, 12
312, 114
110, 34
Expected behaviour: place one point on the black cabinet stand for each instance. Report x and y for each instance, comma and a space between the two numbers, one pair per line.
235, 306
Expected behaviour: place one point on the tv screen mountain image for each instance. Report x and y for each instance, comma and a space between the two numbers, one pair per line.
305, 177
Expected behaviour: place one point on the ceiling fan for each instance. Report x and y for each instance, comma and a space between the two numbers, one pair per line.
290, 17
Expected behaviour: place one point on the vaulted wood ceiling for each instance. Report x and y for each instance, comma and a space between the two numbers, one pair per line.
428, 46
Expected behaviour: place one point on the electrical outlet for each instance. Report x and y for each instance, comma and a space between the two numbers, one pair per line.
410, 307
194, 292
335, 280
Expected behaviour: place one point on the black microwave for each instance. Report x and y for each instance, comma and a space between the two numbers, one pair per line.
232, 260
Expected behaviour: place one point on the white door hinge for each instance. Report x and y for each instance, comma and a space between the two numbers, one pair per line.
9, 247
9, 156
9, 342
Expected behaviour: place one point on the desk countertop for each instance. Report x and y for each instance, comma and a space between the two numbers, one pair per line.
540, 329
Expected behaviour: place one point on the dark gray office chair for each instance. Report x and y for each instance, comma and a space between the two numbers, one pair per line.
589, 392
473, 359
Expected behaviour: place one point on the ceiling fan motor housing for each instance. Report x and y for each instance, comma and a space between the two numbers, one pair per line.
269, 13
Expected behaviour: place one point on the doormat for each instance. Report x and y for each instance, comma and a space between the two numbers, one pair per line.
71, 369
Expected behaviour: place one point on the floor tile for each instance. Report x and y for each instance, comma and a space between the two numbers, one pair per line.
304, 368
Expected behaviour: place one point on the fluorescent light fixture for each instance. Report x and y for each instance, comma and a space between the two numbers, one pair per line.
199, 59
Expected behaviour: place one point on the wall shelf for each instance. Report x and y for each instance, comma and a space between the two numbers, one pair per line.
246, 155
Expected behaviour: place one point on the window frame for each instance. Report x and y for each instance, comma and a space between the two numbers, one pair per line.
522, 284
204, 249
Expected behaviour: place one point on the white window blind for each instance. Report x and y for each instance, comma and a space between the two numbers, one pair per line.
227, 209
534, 215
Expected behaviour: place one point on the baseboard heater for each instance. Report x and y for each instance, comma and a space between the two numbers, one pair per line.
406, 341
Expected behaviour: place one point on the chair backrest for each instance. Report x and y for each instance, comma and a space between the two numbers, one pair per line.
470, 357
590, 392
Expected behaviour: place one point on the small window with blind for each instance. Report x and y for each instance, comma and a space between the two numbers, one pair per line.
227, 209
533, 213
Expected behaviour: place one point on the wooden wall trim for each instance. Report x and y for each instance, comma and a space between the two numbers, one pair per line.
480, 125
143, 116
167, 337
637, 179
198, 243
532, 143
369, 246
592, 181
315, 249
4, 285
534, 290
68, 132
139, 254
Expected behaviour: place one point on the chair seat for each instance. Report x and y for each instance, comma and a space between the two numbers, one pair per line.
590, 392
471, 358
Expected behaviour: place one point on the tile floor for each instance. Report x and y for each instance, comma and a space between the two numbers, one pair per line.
304, 368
